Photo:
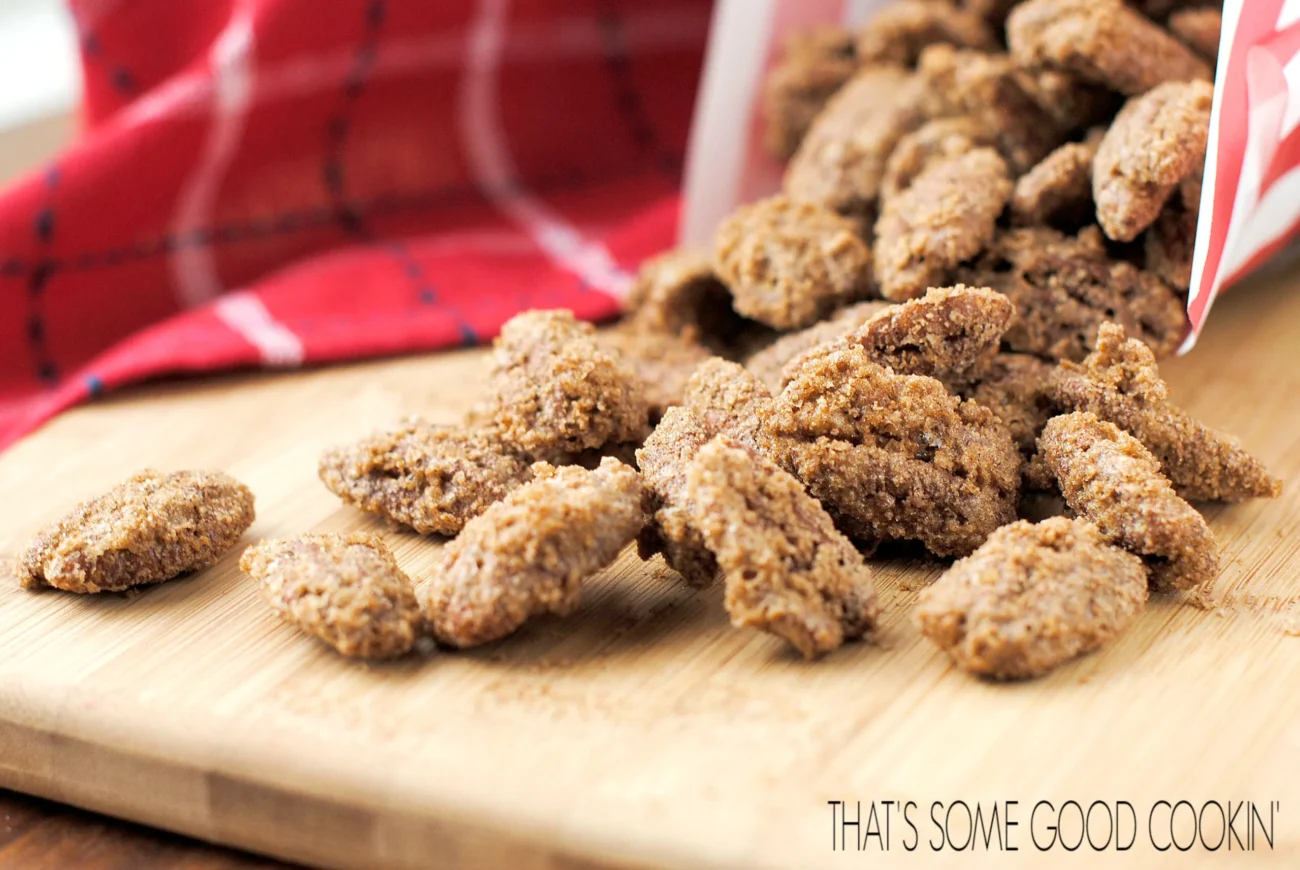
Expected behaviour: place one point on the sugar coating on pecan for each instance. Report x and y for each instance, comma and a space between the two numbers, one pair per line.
662, 361
1110, 479
841, 160
944, 218
900, 31
1032, 597
991, 90
894, 457
934, 142
1102, 41
147, 529
346, 590
1015, 387
788, 263
787, 569
726, 398
529, 553
1120, 383
1065, 287
768, 363
670, 529
1058, 190
555, 390
1156, 141
432, 478
950, 333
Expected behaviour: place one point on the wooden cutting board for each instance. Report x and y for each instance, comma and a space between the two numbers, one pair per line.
643, 731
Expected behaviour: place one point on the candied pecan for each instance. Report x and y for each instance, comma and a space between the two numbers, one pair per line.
721, 398
1156, 141
950, 333
816, 63
1198, 28
726, 399
1065, 287
841, 161
1032, 597
662, 361
429, 477
1168, 245
788, 264
678, 293
947, 216
663, 460
934, 142
769, 362
894, 456
1074, 105
899, 32
346, 590
529, 553
993, 11
1058, 191
1014, 386
554, 389
1100, 41
1120, 383
147, 529
1109, 478
989, 89
788, 571
1161, 10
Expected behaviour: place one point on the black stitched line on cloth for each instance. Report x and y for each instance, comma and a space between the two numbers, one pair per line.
121, 78
339, 125
349, 216
291, 222
631, 104
426, 293
43, 227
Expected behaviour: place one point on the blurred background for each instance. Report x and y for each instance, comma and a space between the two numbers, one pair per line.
40, 82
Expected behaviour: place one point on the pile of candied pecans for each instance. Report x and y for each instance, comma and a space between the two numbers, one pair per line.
957, 302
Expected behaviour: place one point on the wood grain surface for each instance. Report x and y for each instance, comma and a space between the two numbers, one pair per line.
643, 730
38, 835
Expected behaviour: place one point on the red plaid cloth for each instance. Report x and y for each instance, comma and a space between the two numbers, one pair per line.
281, 182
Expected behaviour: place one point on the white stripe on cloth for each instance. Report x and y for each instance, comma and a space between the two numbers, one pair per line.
484, 144
193, 267
245, 314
